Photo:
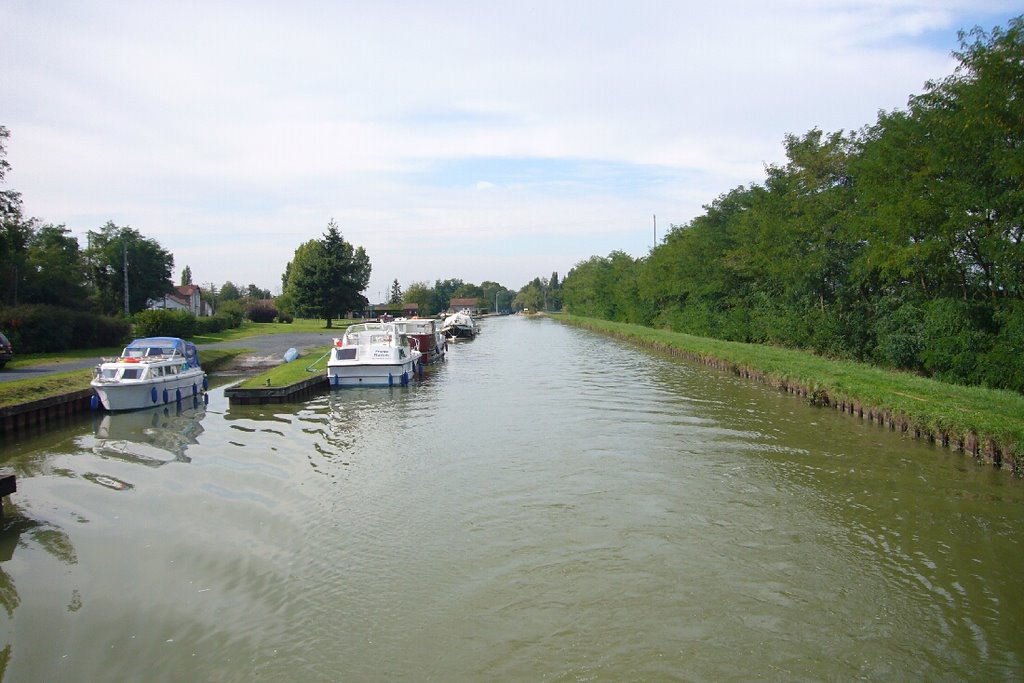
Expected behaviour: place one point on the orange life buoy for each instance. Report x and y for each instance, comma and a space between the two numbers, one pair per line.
131, 360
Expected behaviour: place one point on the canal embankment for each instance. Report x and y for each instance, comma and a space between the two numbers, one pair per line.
984, 423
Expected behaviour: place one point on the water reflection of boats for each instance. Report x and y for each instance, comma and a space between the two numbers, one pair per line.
147, 436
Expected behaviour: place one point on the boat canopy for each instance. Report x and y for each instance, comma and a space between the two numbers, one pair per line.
154, 347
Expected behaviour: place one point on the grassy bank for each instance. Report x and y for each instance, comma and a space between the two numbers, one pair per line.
25, 390
286, 374
987, 423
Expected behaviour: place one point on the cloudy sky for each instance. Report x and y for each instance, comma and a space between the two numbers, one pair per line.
475, 140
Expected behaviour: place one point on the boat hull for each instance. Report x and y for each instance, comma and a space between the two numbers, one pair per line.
135, 395
459, 332
372, 375
432, 348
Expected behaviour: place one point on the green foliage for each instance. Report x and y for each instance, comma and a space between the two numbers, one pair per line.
261, 313
902, 244
229, 292
326, 277
148, 273
1003, 364
443, 292
164, 323
55, 273
37, 328
422, 294
231, 312
395, 296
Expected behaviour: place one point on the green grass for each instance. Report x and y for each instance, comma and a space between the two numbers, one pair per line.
32, 389
923, 404
251, 329
286, 374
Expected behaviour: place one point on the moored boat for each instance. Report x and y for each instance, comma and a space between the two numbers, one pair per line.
425, 336
372, 355
150, 371
459, 326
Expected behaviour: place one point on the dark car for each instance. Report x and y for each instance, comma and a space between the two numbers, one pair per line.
6, 350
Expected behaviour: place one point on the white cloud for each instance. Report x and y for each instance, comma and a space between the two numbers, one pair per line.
233, 135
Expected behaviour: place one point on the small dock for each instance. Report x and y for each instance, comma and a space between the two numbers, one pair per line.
285, 394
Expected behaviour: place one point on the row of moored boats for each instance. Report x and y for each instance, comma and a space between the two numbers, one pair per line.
159, 370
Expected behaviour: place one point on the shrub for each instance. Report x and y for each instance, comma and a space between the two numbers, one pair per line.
261, 313
163, 323
899, 334
232, 312
38, 328
1003, 365
955, 339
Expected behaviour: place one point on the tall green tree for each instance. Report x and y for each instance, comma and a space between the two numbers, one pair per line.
55, 273
421, 294
148, 273
229, 292
15, 233
327, 277
256, 293
186, 275
444, 290
396, 293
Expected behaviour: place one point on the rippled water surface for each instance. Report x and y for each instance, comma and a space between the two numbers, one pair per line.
548, 505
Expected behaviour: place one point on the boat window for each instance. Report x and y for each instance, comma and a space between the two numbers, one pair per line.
108, 373
348, 353
130, 373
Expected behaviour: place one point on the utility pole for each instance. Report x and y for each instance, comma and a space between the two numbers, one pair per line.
125, 245
655, 230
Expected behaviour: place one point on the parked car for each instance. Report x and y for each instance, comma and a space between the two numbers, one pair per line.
6, 350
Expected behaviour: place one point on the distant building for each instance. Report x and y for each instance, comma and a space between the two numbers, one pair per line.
471, 304
182, 298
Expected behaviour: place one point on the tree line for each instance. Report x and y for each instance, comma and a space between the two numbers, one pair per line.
901, 244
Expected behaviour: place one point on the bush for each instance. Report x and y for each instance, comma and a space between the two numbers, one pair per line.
1003, 365
232, 312
39, 328
90, 331
261, 313
899, 334
955, 339
163, 323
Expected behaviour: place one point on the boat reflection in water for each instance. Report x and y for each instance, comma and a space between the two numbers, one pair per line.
153, 436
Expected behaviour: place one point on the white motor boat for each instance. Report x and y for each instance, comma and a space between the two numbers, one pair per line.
150, 371
459, 326
373, 355
424, 336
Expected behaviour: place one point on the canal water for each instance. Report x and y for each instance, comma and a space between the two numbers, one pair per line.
547, 505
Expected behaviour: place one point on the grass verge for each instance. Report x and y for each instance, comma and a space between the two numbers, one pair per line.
286, 374
985, 422
26, 390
